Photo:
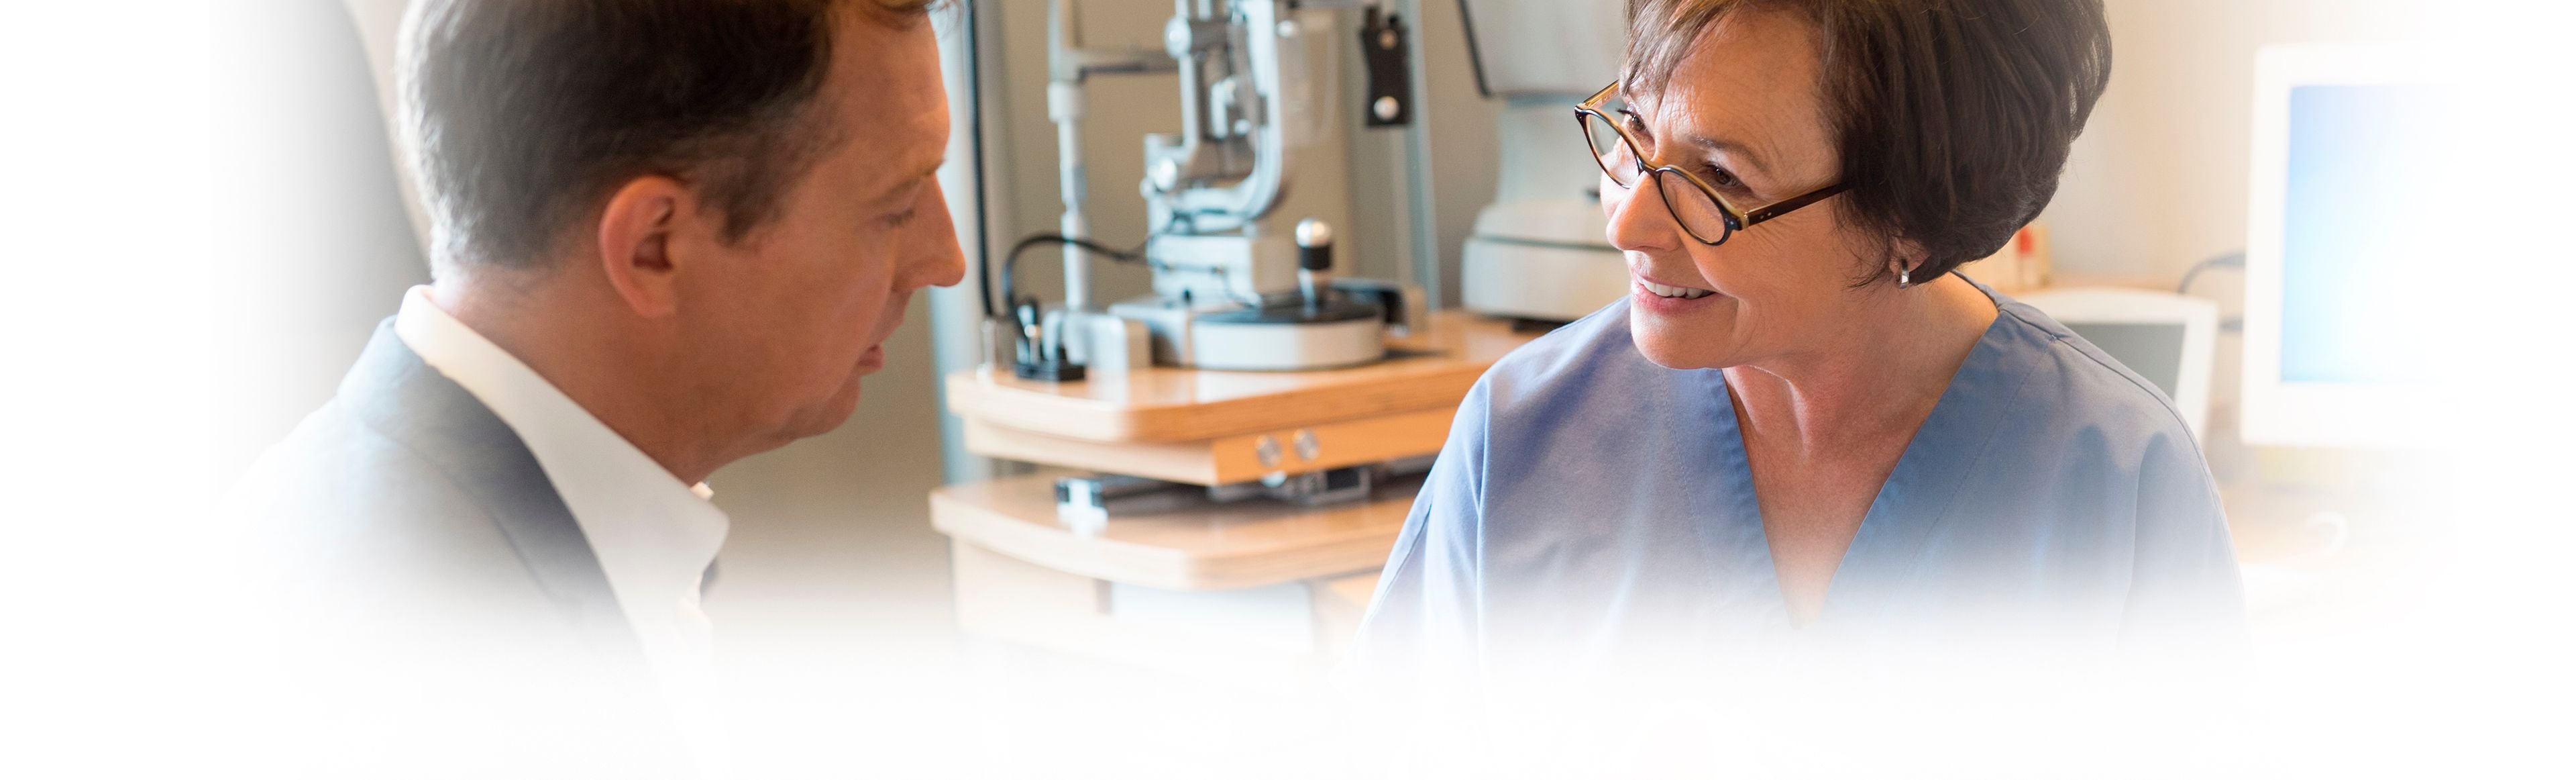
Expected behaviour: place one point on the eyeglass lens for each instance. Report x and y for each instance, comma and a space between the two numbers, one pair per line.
1611, 152
1690, 205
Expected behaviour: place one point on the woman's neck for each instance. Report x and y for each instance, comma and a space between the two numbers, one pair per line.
1879, 378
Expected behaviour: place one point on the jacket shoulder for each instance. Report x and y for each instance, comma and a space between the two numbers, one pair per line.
405, 493
339, 506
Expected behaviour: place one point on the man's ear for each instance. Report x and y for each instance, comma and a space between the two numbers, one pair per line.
638, 231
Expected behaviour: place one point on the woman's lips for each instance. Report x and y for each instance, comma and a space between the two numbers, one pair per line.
1647, 299
1660, 295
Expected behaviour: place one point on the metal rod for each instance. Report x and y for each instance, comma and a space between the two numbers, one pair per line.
1064, 106
1428, 265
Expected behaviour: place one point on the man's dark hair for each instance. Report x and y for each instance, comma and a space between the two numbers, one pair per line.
1953, 117
526, 114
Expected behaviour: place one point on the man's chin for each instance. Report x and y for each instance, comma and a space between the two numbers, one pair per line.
824, 417
839, 409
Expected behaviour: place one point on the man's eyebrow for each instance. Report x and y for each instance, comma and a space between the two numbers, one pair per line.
914, 179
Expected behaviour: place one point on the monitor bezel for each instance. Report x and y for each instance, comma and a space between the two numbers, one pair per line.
2197, 317
2272, 411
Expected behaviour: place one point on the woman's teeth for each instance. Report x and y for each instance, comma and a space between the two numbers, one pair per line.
1675, 292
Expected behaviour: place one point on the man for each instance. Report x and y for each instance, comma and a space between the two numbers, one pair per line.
669, 234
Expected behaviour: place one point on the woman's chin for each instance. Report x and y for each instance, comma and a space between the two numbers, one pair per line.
1678, 351
1672, 344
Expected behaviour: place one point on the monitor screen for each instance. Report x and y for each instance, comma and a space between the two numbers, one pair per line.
2362, 164
2153, 350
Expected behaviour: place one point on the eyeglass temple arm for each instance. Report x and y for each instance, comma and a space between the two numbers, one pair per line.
1764, 214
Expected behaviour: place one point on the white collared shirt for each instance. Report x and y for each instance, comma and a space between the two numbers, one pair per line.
654, 535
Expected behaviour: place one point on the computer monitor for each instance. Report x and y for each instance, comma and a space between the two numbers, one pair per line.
2350, 146
2168, 339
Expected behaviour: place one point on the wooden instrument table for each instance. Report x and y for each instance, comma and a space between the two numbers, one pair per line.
1023, 575
1203, 547
1206, 427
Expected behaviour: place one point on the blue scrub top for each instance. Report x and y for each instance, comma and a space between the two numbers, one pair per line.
1592, 507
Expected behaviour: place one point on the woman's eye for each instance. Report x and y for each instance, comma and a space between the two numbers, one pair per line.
1719, 177
901, 218
1636, 125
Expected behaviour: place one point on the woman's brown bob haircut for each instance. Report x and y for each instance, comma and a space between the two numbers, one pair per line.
1952, 117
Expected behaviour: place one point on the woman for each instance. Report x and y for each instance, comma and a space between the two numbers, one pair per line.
1802, 428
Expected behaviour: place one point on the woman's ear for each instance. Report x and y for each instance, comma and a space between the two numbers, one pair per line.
1894, 257
639, 228
1904, 255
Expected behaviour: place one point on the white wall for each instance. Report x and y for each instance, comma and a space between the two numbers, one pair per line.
2158, 182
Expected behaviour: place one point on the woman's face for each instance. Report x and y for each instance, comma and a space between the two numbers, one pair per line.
1743, 113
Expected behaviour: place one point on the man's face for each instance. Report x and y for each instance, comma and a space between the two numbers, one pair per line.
785, 322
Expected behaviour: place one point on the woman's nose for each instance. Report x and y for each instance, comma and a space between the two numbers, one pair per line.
1639, 220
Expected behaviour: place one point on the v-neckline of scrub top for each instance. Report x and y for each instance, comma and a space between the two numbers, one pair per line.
1915, 498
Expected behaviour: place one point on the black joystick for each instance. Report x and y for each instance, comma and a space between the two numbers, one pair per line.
1314, 261
1035, 360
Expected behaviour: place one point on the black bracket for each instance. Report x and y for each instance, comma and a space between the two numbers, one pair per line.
1387, 51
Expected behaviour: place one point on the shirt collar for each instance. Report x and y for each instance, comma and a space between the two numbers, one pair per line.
654, 535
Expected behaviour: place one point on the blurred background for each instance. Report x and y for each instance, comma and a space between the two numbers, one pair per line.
209, 222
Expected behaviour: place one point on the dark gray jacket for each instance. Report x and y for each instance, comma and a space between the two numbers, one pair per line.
428, 588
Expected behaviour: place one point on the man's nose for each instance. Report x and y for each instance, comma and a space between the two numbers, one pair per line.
937, 259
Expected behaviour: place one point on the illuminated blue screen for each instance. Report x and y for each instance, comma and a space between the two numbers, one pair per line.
2361, 162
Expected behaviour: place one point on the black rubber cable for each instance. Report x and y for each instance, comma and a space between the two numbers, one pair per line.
1011, 263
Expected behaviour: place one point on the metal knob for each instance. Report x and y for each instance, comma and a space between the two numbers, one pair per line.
1314, 232
1314, 244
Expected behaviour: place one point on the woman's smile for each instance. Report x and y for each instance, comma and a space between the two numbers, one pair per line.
1674, 292
1668, 299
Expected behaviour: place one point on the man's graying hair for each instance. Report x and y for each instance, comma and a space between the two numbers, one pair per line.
524, 115
1952, 118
